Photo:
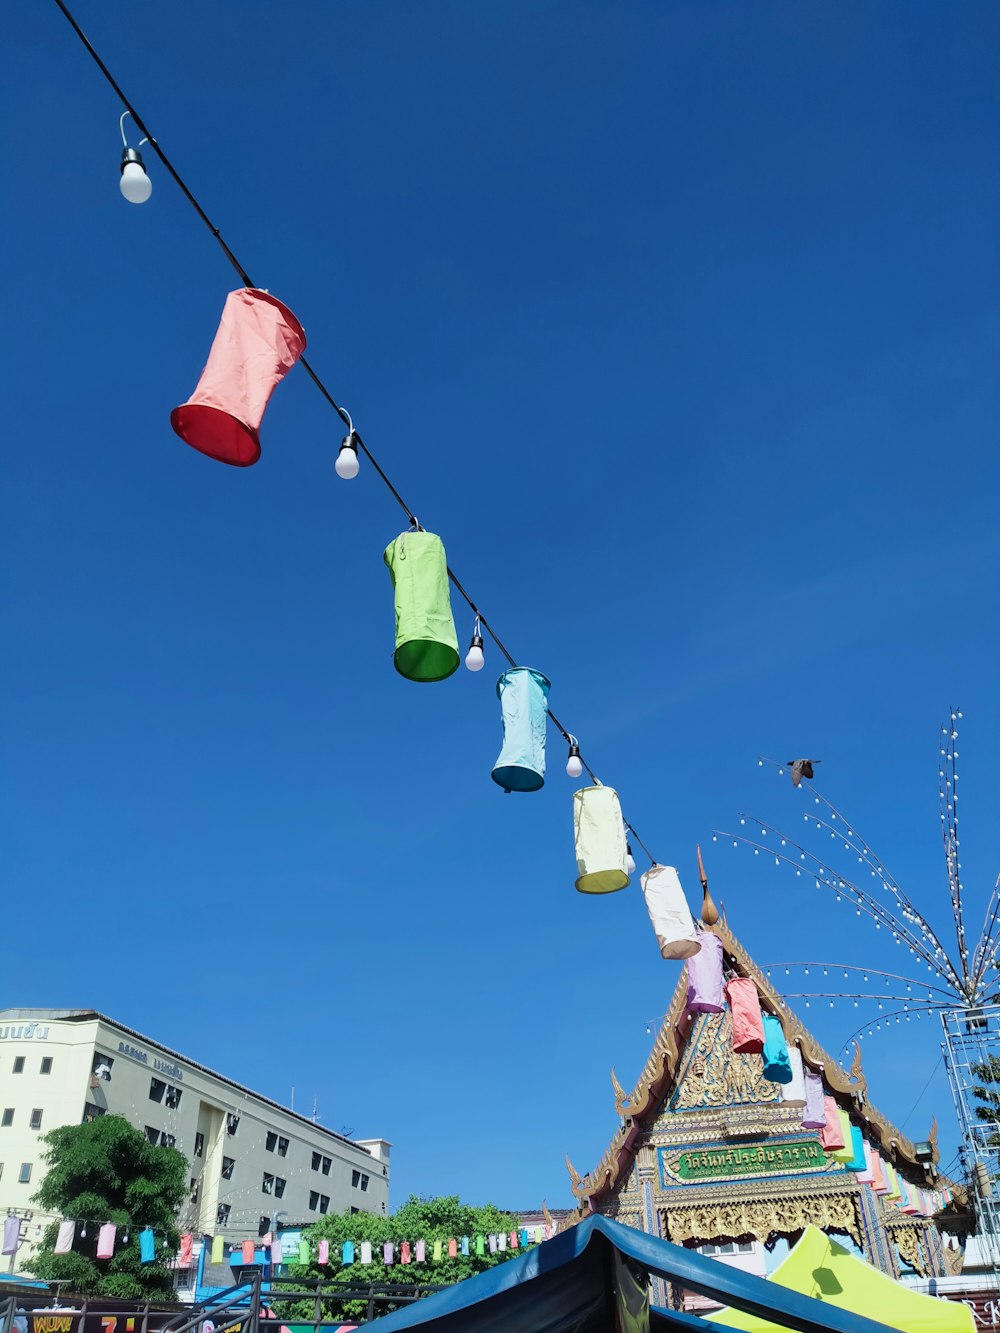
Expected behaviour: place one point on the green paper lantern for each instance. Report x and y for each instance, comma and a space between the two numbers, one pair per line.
426, 642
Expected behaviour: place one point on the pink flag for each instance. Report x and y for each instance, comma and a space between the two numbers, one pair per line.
106, 1241
258, 342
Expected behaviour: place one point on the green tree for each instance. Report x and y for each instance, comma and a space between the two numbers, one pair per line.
988, 1092
417, 1219
107, 1171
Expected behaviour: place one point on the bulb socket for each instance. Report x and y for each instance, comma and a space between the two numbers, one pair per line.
574, 750
477, 641
130, 155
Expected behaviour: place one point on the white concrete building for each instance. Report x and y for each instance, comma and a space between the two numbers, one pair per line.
248, 1157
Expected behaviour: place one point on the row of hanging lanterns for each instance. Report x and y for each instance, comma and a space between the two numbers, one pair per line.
258, 341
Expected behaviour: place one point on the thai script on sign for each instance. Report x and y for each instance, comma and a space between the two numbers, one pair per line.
705, 1163
24, 1031
142, 1057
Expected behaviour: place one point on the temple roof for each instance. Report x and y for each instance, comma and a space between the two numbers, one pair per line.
643, 1103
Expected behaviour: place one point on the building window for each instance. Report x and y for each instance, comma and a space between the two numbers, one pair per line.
167, 1140
173, 1097
354, 1210
270, 1143
195, 1188
355, 1179
157, 1088
364, 1182
46, 1064
279, 1187
325, 1168
91, 1112
199, 1145
728, 1247
184, 1279
103, 1065
282, 1147
313, 1200
36, 1118
324, 1202
232, 1124
153, 1135
267, 1184
8, 1116
18, 1064
227, 1167
316, 1159
222, 1214
24, 1175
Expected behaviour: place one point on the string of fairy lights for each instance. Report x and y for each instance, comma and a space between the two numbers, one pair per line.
137, 188
963, 978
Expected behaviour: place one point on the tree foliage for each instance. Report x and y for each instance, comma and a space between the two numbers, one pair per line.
416, 1219
108, 1171
988, 1092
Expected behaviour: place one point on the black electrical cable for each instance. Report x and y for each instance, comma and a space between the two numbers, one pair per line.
344, 416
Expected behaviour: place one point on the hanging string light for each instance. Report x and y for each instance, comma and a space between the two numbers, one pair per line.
475, 660
135, 185
353, 442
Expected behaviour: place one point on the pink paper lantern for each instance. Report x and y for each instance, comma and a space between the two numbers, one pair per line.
258, 342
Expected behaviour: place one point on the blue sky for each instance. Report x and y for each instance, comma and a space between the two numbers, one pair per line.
679, 323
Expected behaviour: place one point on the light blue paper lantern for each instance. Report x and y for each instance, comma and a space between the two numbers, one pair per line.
523, 695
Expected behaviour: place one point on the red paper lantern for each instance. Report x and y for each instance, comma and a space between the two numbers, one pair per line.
258, 342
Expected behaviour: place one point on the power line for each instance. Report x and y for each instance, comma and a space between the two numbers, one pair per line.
313, 375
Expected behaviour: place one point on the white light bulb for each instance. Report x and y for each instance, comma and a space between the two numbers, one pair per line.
347, 464
474, 658
629, 863
574, 766
135, 185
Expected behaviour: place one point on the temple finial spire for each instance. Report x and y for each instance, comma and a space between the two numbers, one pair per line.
709, 912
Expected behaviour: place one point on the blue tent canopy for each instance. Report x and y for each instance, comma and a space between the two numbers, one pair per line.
566, 1285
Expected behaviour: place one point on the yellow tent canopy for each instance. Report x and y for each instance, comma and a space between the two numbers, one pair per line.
818, 1266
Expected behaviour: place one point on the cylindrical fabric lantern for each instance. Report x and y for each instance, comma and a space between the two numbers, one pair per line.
748, 1029
247, 1252
777, 1066
599, 833
523, 695
705, 976
323, 1252
878, 1174
831, 1136
147, 1247
845, 1155
814, 1115
258, 342
426, 642
795, 1089
217, 1245
669, 912
65, 1238
106, 1241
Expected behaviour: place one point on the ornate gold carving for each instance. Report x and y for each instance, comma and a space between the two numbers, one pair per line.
954, 1258
857, 1073
574, 1175
908, 1243
760, 1218
619, 1091
716, 1075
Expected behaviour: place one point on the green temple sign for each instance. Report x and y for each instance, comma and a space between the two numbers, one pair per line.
728, 1161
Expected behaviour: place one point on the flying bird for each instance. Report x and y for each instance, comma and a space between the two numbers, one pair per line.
801, 768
